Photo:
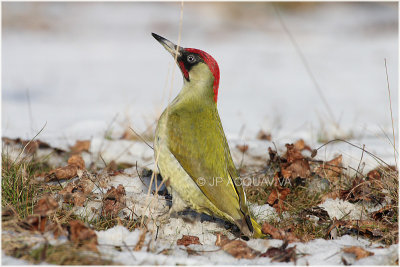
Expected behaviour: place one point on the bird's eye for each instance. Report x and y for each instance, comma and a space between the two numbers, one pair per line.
191, 59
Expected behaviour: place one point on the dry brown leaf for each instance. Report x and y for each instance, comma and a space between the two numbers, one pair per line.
279, 233
366, 228
187, 240
242, 148
76, 192
358, 252
114, 201
34, 223
364, 189
332, 195
386, 212
8, 213
31, 145
77, 160
301, 145
298, 168
277, 197
66, 172
281, 254
45, 206
374, 175
264, 136
80, 234
331, 170
80, 146
292, 153
237, 248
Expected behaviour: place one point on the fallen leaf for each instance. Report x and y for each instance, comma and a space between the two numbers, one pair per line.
34, 223
374, 175
264, 136
66, 172
114, 201
77, 160
301, 145
187, 240
82, 235
76, 192
331, 170
242, 148
367, 228
358, 252
45, 206
279, 233
8, 213
319, 212
31, 145
386, 212
298, 168
236, 248
281, 254
332, 195
362, 189
277, 197
80, 146
73, 169
292, 153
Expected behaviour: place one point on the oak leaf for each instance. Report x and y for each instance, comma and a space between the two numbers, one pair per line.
281, 234
82, 235
187, 240
332, 169
80, 146
277, 197
358, 252
236, 248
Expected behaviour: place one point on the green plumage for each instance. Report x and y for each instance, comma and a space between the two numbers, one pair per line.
193, 155
197, 140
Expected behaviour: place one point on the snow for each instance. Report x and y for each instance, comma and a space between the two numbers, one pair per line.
338, 208
89, 70
7, 260
318, 251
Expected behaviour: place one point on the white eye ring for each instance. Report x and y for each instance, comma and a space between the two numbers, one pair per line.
191, 58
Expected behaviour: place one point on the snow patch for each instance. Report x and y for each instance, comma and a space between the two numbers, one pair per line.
338, 208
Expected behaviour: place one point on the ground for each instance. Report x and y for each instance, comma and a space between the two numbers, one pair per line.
316, 74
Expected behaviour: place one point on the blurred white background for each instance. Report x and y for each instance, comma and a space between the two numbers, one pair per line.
77, 66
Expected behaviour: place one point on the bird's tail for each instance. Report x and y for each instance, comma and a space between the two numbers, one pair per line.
257, 229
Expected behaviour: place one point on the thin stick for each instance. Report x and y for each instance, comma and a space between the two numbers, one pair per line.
306, 65
153, 177
141, 138
391, 113
347, 142
359, 163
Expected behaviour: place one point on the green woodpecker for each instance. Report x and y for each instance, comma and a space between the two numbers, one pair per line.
190, 146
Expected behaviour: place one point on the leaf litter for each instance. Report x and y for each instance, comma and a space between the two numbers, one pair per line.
80, 187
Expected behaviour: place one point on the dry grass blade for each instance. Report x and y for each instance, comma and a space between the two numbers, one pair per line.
391, 114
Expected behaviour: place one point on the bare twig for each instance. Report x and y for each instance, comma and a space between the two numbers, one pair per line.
141, 138
347, 142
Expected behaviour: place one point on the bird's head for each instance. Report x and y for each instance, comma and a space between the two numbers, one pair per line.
196, 65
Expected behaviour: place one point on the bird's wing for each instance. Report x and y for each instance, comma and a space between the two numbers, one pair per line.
198, 142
